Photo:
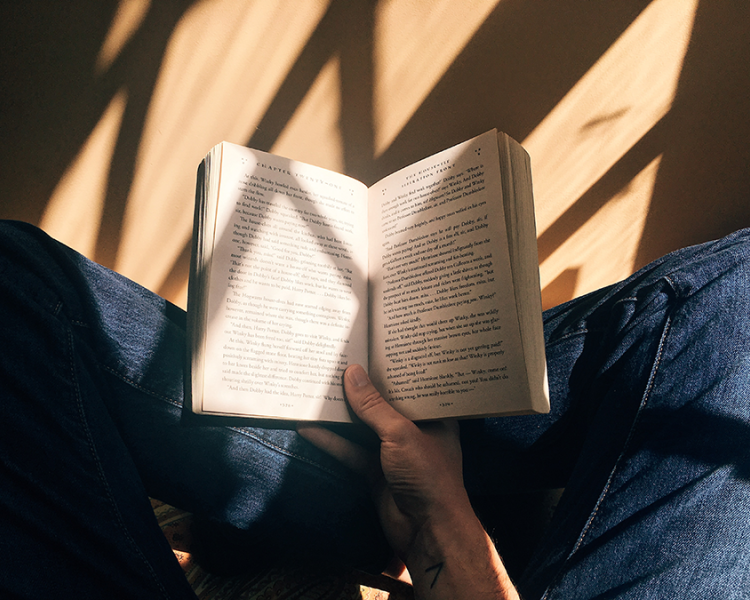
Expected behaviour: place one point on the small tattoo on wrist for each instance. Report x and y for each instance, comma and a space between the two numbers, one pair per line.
437, 568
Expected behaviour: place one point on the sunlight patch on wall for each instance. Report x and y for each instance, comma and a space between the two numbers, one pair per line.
74, 210
316, 119
415, 44
127, 20
604, 247
629, 89
222, 67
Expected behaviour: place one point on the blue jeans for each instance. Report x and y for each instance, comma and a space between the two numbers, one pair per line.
648, 433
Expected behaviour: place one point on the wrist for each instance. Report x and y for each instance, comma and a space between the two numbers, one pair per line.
453, 557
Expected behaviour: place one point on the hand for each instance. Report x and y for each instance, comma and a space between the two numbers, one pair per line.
421, 475
418, 488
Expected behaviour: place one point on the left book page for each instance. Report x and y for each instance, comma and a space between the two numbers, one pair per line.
280, 296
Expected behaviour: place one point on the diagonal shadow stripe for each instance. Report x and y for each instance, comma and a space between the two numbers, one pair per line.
613, 182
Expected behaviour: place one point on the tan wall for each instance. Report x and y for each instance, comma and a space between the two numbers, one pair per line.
636, 114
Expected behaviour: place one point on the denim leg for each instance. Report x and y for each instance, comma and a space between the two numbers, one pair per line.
91, 374
74, 515
664, 474
649, 435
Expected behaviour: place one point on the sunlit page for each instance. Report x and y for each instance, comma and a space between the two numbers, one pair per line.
445, 336
287, 306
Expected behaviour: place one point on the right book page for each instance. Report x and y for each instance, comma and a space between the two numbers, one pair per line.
445, 330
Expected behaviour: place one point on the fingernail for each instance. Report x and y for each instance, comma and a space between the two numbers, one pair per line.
358, 376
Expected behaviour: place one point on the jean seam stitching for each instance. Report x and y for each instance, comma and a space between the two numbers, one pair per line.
138, 386
286, 452
261, 441
101, 475
615, 469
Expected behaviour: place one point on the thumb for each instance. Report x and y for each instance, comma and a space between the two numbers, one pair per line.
369, 405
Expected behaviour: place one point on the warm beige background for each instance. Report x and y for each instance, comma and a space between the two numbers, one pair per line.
636, 113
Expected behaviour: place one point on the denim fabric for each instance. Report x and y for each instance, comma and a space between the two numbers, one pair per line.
90, 425
648, 434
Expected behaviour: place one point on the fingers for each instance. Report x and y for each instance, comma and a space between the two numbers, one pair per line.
369, 405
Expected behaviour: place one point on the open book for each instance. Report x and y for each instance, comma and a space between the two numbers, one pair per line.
429, 279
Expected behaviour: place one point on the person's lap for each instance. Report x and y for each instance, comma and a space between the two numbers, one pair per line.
90, 426
648, 385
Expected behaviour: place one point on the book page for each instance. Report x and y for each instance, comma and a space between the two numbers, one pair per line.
287, 301
445, 337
